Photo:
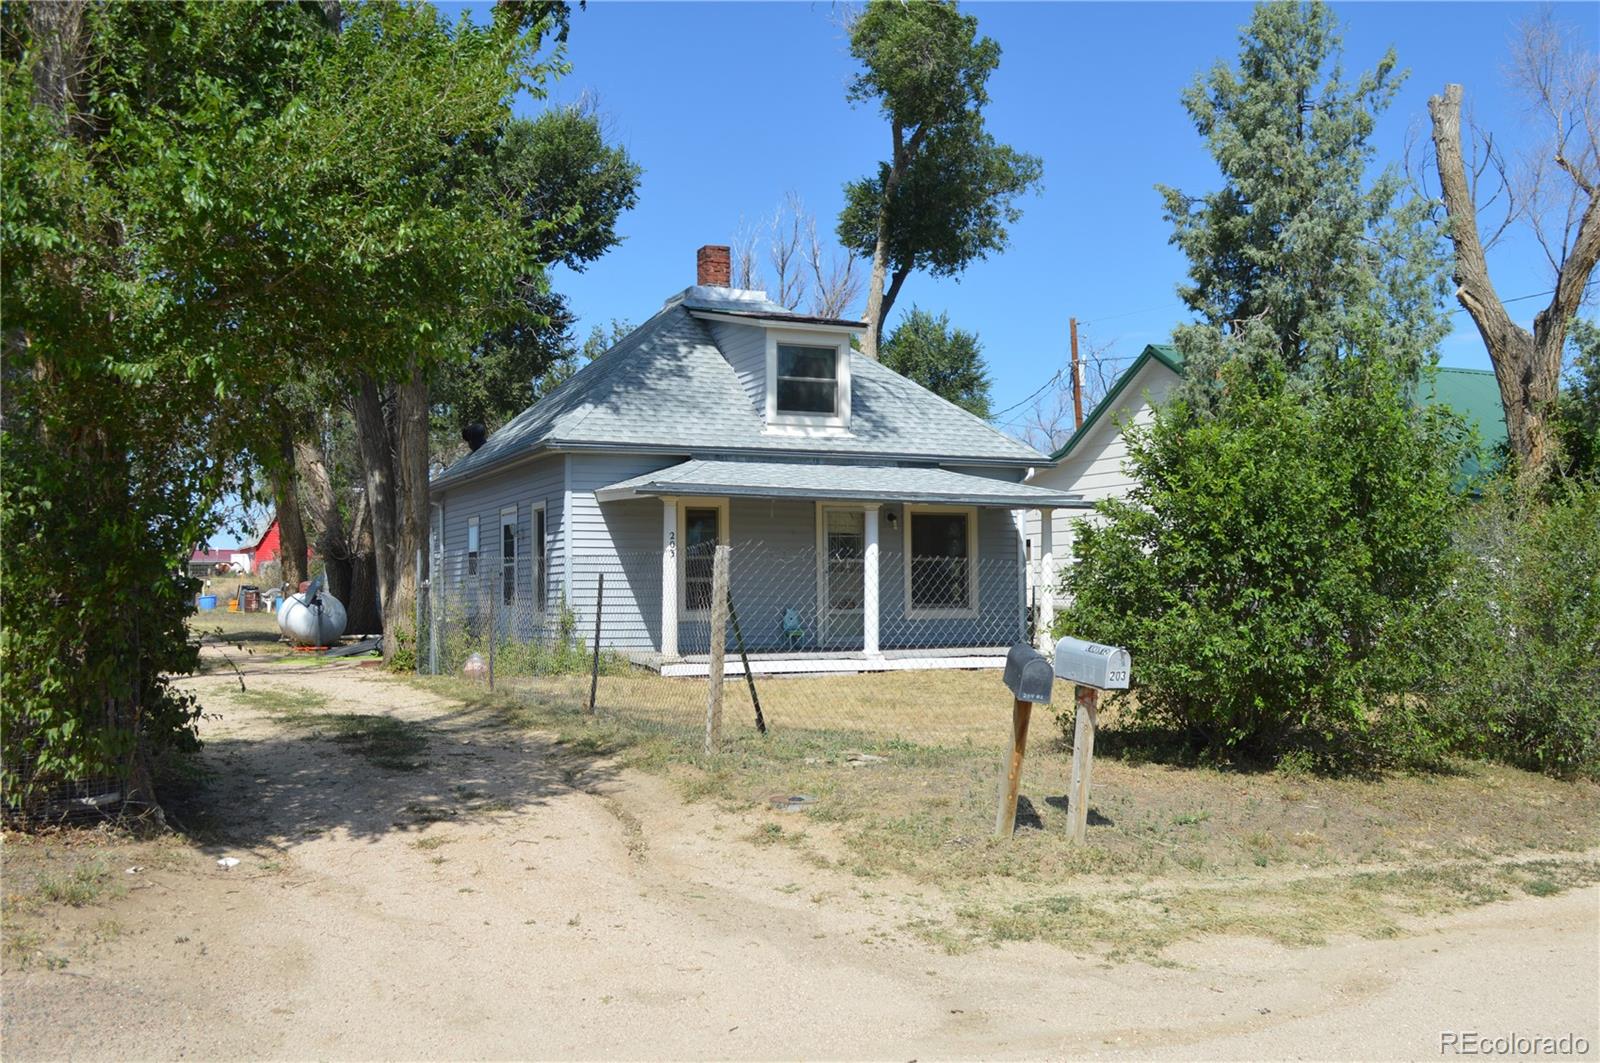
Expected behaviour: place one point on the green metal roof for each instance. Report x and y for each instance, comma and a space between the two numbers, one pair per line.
1166, 354
1475, 395
1472, 393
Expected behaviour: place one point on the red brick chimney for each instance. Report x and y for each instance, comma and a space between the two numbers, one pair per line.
714, 266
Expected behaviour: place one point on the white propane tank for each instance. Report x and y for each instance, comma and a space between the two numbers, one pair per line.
283, 607
306, 625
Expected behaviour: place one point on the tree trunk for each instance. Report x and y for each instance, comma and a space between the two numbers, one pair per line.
374, 439
875, 311
1527, 365
57, 31
286, 497
411, 469
895, 283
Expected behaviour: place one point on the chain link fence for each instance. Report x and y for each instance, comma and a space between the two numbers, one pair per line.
810, 648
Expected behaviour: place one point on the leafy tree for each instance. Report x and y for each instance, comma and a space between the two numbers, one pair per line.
947, 191
568, 188
1518, 658
201, 202
1297, 238
947, 361
1273, 588
1577, 420
602, 338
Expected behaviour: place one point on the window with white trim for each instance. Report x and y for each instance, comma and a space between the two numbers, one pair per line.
941, 562
539, 557
472, 546
808, 380
702, 527
508, 555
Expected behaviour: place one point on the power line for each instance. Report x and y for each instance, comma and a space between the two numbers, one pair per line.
1036, 393
1113, 358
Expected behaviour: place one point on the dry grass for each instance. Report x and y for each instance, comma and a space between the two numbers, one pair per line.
937, 707
60, 886
1175, 852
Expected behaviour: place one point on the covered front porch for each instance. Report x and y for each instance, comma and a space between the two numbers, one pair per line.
841, 567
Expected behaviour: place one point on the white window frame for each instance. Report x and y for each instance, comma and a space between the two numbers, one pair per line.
970, 612
541, 557
474, 546
684, 505
512, 512
841, 371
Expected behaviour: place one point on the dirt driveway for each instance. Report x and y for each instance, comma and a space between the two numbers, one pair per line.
506, 897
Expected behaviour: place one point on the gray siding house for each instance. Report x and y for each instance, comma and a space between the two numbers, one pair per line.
871, 524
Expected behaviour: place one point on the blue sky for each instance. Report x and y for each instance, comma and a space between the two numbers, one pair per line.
729, 106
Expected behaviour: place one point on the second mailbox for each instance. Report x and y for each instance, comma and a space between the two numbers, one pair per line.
1028, 674
1092, 664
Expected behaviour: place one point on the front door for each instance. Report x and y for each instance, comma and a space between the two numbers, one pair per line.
843, 552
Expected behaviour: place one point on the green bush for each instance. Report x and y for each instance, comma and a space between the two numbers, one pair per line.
1519, 675
1275, 567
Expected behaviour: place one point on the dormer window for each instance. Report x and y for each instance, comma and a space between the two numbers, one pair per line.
808, 379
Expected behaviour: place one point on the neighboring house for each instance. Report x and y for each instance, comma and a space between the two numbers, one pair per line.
872, 524
1091, 463
268, 545
208, 562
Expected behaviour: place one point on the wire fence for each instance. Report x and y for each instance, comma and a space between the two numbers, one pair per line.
783, 641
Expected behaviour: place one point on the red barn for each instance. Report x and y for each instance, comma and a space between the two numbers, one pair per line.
268, 546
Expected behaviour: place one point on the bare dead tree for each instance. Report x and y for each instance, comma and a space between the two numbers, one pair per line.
1558, 189
746, 261
784, 246
836, 283
1050, 421
804, 273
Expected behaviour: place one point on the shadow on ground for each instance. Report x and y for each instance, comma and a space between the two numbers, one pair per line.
369, 774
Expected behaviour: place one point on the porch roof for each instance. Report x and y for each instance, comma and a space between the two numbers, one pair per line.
864, 483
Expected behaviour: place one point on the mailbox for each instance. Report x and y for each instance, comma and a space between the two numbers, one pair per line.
1028, 674
1090, 664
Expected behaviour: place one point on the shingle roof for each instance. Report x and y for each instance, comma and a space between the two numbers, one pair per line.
875, 483
667, 386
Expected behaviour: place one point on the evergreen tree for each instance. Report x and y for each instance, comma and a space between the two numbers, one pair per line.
1298, 240
947, 361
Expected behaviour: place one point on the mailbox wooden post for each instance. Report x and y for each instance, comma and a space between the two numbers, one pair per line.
1029, 679
1091, 667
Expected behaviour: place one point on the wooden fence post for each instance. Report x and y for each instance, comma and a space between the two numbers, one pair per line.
1005, 823
1082, 761
719, 645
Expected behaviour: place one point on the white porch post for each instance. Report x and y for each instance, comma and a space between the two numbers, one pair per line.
1046, 590
669, 579
869, 584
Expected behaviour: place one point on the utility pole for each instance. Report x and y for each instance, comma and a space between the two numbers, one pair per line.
1077, 379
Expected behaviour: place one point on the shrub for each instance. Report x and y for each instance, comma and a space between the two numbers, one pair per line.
1520, 660
1273, 568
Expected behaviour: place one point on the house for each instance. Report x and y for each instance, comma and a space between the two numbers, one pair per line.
872, 525
1091, 464
269, 544
207, 562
